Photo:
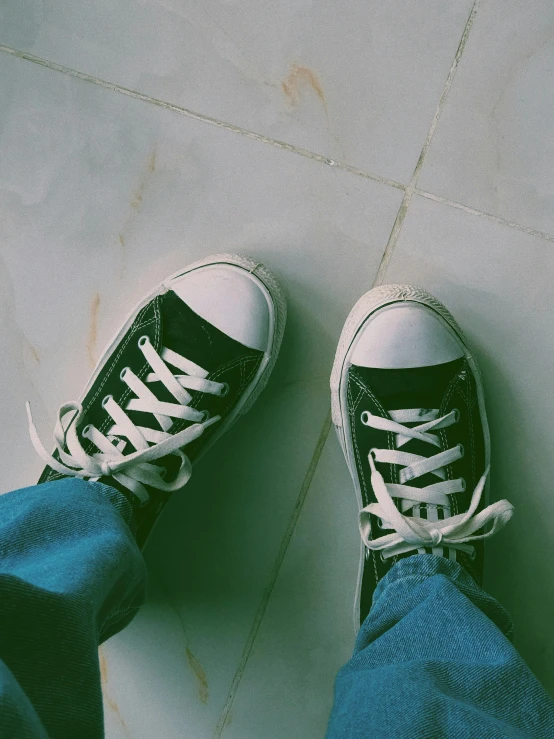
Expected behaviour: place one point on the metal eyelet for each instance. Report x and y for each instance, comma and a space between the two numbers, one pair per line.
106, 399
224, 390
85, 430
123, 373
382, 556
457, 415
205, 416
462, 450
473, 554
463, 484
143, 340
364, 418
380, 523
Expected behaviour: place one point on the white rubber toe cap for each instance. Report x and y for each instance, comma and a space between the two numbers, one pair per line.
405, 335
231, 299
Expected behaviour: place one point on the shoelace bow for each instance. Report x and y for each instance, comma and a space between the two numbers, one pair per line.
135, 470
413, 532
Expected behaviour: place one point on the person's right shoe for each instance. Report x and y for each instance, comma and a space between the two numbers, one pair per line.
409, 409
188, 361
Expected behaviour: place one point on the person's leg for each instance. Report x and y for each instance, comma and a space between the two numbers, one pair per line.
189, 360
434, 658
71, 576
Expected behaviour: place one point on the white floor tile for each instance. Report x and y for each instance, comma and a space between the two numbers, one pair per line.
498, 284
359, 85
101, 197
493, 146
308, 633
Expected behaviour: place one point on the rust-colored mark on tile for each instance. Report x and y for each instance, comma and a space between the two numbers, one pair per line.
110, 701
200, 676
115, 708
298, 78
137, 197
136, 201
93, 329
34, 352
103, 666
123, 267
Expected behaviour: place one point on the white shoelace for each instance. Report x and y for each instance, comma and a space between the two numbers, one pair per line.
134, 470
414, 532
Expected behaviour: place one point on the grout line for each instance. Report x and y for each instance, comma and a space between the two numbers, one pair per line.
273, 578
393, 238
312, 155
411, 188
113, 87
444, 94
484, 214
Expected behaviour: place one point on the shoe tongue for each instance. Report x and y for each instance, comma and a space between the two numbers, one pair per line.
413, 387
187, 333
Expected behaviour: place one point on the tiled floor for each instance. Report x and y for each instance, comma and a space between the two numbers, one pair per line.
345, 146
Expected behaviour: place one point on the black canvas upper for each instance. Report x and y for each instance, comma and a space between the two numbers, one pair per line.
169, 323
444, 387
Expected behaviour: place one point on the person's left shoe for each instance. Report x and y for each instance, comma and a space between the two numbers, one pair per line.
409, 409
189, 360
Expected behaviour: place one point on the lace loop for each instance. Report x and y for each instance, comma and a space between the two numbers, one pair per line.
105, 469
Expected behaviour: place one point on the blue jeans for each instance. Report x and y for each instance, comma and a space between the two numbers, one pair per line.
433, 658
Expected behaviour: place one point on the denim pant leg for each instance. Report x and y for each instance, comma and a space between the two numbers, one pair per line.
71, 575
433, 659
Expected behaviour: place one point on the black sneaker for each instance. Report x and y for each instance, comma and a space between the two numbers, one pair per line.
189, 360
409, 409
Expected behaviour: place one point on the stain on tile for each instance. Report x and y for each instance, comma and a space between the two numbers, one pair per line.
33, 350
152, 161
123, 251
298, 78
110, 701
103, 666
136, 200
93, 329
194, 664
200, 674
115, 708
